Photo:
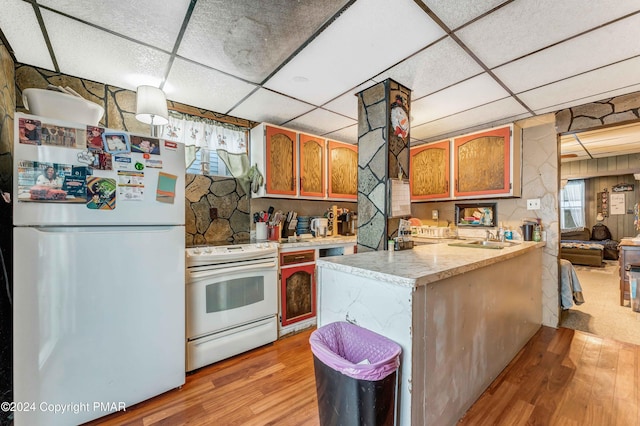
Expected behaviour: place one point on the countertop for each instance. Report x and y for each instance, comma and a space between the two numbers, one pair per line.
423, 264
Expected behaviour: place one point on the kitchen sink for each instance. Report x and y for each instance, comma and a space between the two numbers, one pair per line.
485, 244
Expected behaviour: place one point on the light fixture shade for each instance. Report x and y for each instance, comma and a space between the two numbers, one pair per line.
599, 217
151, 106
636, 176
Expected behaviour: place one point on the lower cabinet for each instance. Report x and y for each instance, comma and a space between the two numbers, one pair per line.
297, 286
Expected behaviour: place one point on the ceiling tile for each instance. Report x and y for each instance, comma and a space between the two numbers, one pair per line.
579, 88
194, 84
588, 99
360, 43
267, 106
149, 21
250, 38
319, 122
504, 109
20, 26
522, 27
348, 135
592, 50
87, 52
476, 91
456, 13
347, 104
441, 65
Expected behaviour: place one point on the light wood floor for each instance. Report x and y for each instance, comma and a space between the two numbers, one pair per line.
561, 377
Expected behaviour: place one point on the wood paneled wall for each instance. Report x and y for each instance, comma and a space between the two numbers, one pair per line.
604, 173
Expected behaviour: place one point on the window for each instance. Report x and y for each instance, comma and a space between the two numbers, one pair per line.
572, 205
195, 165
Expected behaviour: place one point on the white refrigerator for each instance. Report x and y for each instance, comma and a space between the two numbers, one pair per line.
98, 271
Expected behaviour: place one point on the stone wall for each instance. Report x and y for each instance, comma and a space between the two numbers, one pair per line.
229, 224
617, 110
225, 194
7, 108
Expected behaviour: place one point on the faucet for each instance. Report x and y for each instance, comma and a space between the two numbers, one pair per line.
498, 236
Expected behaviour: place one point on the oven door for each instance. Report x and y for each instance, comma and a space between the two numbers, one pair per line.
219, 298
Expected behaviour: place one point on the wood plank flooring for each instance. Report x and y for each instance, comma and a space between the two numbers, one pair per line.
561, 377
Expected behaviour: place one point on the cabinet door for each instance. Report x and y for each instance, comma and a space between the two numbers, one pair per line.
343, 170
281, 157
312, 163
298, 293
429, 171
482, 163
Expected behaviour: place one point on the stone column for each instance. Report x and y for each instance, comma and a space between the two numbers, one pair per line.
383, 153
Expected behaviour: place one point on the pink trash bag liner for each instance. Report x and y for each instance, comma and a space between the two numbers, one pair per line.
355, 351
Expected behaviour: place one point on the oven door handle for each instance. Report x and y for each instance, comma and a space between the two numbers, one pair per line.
225, 271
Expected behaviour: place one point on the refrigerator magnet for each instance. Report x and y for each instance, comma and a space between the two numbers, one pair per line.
154, 164
170, 145
29, 131
116, 142
122, 162
166, 191
94, 138
145, 145
101, 193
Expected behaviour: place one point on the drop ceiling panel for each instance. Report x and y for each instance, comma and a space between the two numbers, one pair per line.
270, 107
250, 39
319, 122
347, 104
605, 142
87, 52
194, 84
361, 42
502, 110
150, 21
583, 86
441, 65
468, 94
454, 14
348, 134
595, 49
522, 27
20, 26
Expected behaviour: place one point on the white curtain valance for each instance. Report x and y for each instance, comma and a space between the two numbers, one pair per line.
205, 133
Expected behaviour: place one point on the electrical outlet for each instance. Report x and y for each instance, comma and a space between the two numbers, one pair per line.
434, 214
533, 204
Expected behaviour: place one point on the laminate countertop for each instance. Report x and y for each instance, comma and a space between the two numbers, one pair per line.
423, 264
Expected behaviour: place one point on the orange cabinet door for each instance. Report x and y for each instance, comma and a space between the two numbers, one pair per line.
482, 163
312, 161
429, 171
298, 293
343, 170
281, 176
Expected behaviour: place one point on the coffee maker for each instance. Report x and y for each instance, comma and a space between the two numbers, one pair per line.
347, 223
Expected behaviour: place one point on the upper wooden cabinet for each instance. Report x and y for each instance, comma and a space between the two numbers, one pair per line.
281, 161
487, 164
343, 170
429, 171
312, 166
297, 165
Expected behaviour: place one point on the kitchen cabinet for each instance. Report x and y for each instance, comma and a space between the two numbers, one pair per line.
343, 171
487, 164
281, 170
297, 286
429, 171
312, 166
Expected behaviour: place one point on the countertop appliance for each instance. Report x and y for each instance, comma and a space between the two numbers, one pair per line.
232, 300
98, 273
348, 223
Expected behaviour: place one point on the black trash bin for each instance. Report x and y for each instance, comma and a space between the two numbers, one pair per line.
356, 375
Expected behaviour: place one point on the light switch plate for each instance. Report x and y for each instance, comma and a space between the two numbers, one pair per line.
533, 204
434, 214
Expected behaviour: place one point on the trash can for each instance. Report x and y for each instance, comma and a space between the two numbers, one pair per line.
634, 291
356, 375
